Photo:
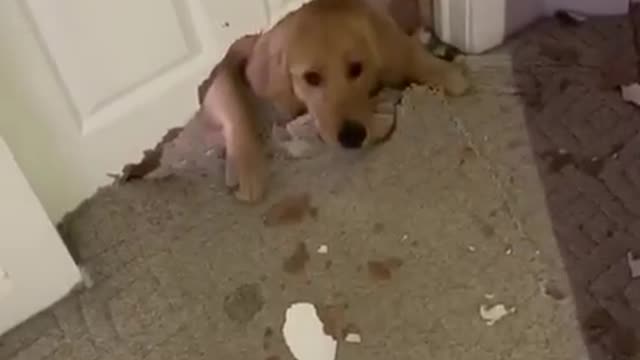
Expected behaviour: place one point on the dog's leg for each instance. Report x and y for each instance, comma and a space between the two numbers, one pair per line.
425, 68
405, 59
227, 101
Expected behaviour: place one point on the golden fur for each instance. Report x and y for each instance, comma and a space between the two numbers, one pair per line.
325, 58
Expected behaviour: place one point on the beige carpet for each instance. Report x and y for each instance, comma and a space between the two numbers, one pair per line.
447, 217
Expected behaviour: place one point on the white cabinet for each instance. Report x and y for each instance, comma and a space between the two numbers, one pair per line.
475, 26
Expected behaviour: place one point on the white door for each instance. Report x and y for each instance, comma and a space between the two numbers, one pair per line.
35, 267
85, 87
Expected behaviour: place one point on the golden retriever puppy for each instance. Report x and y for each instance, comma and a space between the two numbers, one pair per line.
325, 58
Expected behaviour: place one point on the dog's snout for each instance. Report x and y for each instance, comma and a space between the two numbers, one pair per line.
352, 134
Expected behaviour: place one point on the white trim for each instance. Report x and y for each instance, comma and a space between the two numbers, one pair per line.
476, 26
442, 19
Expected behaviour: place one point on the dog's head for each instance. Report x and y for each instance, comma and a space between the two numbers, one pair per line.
326, 58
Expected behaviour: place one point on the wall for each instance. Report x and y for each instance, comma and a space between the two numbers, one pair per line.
599, 7
520, 13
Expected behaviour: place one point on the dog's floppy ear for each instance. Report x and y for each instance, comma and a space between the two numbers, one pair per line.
267, 72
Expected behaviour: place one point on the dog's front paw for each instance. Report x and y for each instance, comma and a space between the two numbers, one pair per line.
251, 188
246, 171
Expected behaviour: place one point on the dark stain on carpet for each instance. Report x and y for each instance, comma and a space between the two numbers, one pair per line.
244, 303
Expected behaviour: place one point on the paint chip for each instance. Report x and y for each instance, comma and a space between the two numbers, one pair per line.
353, 338
495, 313
508, 250
631, 93
323, 249
304, 335
634, 264
351, 334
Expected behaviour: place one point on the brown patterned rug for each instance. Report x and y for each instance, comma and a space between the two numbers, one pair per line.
587, 143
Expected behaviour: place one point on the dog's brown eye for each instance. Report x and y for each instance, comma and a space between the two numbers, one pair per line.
312, 78
354, 70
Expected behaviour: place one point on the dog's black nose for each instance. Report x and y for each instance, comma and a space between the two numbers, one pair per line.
352, 134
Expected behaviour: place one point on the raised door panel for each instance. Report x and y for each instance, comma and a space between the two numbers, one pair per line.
94, 83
